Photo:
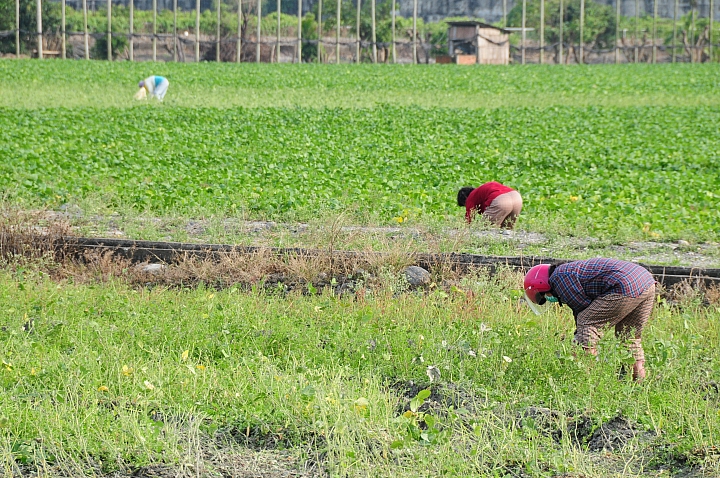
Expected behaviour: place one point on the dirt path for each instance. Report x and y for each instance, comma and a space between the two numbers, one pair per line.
470, 240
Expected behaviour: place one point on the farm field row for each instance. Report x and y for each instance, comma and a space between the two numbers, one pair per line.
628, 173
106, 372
32, 84
176, 378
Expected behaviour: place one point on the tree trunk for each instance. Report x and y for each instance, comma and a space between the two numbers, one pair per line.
696, 54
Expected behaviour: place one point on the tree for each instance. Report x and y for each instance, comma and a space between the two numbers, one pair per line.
695, 37
28, 25
598, 30
309, 32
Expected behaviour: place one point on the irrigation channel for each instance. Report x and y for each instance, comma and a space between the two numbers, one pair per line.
169, 252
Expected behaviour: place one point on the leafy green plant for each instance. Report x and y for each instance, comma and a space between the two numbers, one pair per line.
419, 427
633, 173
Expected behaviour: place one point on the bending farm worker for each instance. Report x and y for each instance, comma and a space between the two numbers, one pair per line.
601, 293
498, 204
155, 86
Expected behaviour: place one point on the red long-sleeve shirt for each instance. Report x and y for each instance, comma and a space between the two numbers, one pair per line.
480, 198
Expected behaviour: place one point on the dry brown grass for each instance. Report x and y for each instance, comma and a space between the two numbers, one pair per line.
29, 240
25, 236
692, 292
712, 294
225, 270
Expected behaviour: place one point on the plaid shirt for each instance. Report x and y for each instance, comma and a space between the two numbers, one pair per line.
578, 283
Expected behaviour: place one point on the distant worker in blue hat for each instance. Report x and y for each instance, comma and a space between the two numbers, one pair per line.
151, 86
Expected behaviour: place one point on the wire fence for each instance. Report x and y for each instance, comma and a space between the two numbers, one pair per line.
531, 31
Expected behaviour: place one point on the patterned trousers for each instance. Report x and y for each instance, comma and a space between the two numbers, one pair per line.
627, 314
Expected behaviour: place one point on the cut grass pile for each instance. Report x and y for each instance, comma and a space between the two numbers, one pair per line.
106, 378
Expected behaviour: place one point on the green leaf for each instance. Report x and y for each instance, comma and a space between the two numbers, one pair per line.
424, 394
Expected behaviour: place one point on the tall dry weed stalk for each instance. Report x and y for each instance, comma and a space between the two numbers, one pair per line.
26, 236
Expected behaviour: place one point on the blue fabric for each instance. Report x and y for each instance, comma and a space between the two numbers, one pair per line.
158, 80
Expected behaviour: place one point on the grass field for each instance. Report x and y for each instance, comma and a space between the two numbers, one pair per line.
110, 373
100, 85
101, 378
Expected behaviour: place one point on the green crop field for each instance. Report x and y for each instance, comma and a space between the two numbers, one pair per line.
109, 372
601, 169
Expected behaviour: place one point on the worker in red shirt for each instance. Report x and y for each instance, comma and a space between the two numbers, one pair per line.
498, 204
601, 293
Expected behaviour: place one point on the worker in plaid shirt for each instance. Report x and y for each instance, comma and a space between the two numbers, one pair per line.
601, 293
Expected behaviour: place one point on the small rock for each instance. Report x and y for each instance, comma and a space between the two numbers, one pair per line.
417, 276
72, 210
433, 373
682, 242
346, 288
195, 228
153, 268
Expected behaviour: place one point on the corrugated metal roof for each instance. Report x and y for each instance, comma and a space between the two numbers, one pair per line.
472, 23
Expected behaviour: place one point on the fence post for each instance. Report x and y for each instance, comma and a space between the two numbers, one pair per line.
522, 24
710, 47
39, 29
374, 36
337, 32
654, 33
132, 38
299, 32
217, 36
674, 41
560, 45
109, 32
63, 45
357, 32
320, 32
637, 32
175, 36
504, 14
392, 27
85, 31
277, 54
582, 27
692, 33
17, 28
238, 45
414, 44
259, 30
542, 31
154, 42
617, 31
197, 30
